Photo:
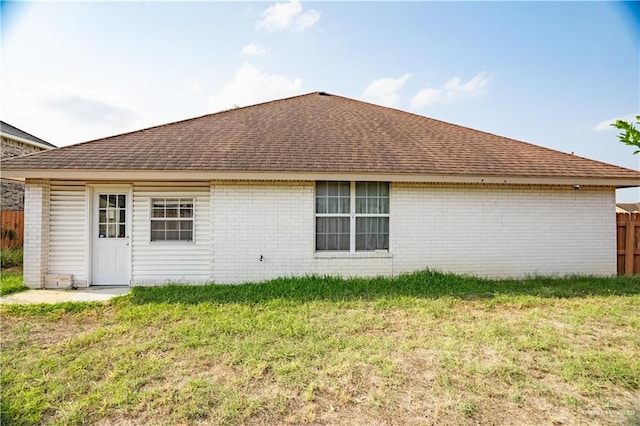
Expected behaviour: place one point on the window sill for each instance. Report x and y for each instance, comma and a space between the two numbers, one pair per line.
172, 242
348, 255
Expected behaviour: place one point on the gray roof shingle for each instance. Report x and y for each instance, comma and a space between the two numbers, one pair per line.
10, 130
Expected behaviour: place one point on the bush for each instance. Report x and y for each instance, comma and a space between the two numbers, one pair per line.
11, 257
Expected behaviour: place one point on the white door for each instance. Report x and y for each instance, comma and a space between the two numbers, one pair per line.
110, 238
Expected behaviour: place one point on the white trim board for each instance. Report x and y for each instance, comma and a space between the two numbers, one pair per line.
182, 175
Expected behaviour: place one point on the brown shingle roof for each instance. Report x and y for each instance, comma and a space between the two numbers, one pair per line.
320, 133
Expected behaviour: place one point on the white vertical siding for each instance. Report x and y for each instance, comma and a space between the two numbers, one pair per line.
161, 262
67, 233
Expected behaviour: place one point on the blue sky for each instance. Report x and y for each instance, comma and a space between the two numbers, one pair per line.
550, 73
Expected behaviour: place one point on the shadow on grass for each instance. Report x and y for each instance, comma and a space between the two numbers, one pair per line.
424, 284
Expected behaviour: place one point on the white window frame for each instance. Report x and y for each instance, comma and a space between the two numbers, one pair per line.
352, 215
191, 219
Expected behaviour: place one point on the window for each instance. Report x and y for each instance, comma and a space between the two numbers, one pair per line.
333, 216
372, 216
172, 219
112, 216
352, 216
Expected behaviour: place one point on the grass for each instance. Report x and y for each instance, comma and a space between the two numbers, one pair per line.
11, 257
11, 282
11, 274
421, 348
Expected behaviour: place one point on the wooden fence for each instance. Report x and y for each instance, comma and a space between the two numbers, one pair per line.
628, 240
12, 229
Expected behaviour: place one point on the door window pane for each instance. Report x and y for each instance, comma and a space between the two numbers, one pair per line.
111, 230
112, 216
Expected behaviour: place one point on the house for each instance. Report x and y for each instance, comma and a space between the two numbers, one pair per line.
313, 184
628, 208
15, 142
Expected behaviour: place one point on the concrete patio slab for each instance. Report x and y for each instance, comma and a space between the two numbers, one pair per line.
92, 294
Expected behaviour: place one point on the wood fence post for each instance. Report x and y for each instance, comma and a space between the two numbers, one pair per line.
629, 245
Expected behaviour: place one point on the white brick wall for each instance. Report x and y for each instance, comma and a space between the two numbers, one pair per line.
36, 232
496, 231
276, 221
503, 231
272, 220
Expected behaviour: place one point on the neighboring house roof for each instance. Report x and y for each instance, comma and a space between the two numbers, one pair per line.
11, 132
320, 133
628, 207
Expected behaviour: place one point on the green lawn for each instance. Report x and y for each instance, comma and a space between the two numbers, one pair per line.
11, 282
425, 348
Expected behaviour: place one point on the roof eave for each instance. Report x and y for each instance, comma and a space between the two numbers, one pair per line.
203, 175
27, 141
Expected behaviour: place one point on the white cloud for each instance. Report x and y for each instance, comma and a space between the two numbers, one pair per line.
253, 49
281, 16
384, 91
192, 86
306, 20
251, 85
426, 97
452, 90
89, 110
475, 85
67, 114
606, 124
